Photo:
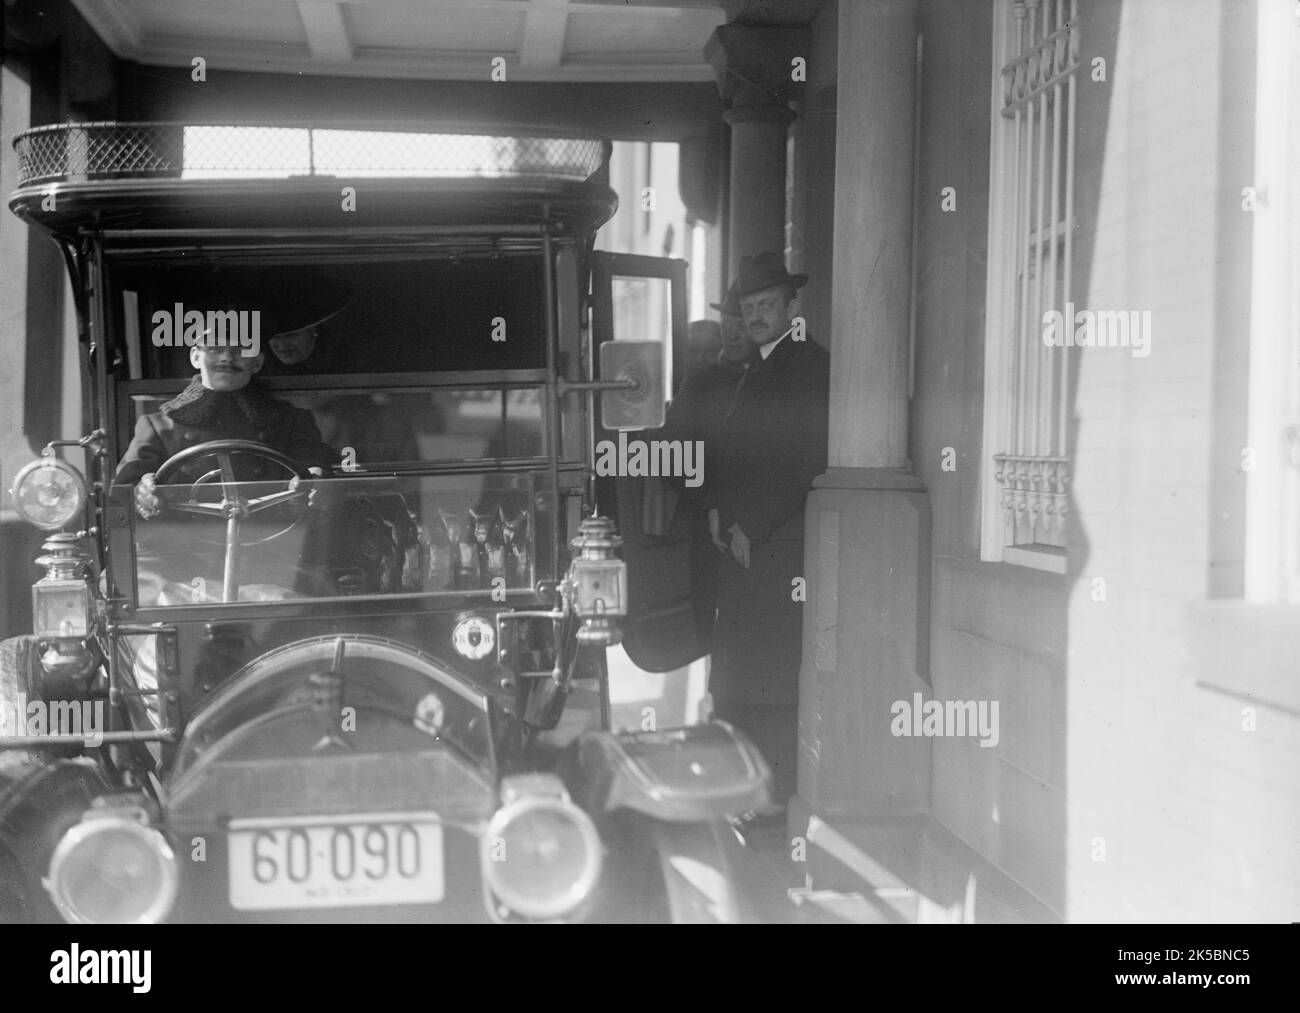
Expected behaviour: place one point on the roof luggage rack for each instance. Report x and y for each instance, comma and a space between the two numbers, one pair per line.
80, 152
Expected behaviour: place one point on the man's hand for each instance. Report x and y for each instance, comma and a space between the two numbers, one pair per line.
315, 497
715, 531
147, 504
740, 545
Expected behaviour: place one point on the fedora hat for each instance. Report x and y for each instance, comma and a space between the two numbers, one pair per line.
764, 270
730, 304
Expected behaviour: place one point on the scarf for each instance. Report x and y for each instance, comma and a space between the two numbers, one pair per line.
202, 408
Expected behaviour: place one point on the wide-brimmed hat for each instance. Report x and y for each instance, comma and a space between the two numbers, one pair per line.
306, 300
764, 270
730, 304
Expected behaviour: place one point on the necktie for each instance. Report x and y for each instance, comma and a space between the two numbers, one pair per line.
735, 394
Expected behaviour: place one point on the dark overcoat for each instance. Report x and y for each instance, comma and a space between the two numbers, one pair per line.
773, 446
199, 416
697, 413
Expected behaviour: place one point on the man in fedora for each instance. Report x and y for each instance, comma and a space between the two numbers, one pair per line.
773, 444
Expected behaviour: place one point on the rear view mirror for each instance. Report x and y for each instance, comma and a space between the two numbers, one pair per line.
640, 406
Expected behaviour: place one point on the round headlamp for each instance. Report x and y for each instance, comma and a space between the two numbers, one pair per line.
542, 857
474, 638
113, 870
49, 493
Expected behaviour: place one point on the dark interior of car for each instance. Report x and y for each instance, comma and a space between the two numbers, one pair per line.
392, 316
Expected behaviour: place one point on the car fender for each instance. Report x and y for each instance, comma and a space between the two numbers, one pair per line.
698, 774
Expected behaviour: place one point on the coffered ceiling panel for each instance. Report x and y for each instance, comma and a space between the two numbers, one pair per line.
545, 40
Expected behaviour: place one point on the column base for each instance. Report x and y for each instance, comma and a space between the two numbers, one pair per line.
866, 644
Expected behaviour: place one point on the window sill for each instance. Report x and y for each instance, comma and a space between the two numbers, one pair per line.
1038, 557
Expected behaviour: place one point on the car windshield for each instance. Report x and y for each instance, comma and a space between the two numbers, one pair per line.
332, 538
371, 428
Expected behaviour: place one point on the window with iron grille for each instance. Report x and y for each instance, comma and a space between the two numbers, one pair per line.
1031, 229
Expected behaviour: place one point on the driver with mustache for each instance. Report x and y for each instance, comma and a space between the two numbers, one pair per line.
223, 402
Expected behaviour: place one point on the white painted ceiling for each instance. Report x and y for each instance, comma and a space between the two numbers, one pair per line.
541, 40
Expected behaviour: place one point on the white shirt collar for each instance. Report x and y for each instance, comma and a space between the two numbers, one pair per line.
766, 350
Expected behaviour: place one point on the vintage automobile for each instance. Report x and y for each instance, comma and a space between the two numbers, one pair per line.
381, 694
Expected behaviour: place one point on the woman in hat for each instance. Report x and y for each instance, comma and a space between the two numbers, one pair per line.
298, 312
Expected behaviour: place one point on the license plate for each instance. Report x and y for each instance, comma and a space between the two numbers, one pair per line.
335, 861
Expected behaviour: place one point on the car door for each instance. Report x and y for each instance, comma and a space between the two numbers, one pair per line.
638, 298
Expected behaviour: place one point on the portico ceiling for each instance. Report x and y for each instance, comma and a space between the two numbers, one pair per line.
540, 40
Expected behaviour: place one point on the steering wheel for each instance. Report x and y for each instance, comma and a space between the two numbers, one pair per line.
234, 507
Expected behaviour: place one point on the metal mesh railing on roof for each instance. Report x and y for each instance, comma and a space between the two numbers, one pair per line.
78, 152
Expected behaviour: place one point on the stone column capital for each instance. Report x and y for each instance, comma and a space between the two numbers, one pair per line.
754, 64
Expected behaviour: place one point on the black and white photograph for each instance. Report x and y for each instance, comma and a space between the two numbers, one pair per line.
608, 462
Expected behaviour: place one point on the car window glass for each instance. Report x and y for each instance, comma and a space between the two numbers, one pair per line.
358, 536
365, 430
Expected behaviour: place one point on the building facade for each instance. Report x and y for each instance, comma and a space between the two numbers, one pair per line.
1091, 534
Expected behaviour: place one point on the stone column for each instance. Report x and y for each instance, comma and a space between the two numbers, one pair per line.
757, 180
866, 626
873, 234
754, 69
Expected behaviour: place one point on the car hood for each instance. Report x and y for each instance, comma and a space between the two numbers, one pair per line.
335, 695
